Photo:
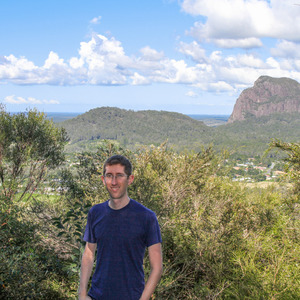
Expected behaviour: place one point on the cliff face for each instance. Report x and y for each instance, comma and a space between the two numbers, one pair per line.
267, 96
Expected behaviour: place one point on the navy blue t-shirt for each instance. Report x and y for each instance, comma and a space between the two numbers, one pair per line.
122, 237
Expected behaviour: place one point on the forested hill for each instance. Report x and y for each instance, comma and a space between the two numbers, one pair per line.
138, 127
253, 135
131, 128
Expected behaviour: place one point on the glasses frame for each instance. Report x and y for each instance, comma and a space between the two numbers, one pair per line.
117, 177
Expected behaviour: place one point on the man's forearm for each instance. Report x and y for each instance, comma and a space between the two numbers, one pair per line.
151, 284
87, 264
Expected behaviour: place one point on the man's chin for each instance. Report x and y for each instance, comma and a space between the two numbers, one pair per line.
115, 196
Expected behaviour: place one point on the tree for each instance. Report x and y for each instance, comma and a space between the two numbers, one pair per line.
292, 160
29, 146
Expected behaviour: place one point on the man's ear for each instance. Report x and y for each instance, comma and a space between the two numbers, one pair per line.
130, 179
103, 180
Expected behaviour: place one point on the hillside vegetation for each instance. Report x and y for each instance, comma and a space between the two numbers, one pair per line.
253, 135
141, 127
221, 240
131, 128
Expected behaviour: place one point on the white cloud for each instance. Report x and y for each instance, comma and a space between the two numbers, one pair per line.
286, 49
191, 94
216, 56
175, 72
246, 43
273, 63
53, 60
13, 68
76, 63
103, 61
12, 99
138, 79
242, 20
220, 86
245, 60
193, 50
151, 54
96, 20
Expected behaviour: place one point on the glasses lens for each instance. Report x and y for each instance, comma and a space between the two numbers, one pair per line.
117, 177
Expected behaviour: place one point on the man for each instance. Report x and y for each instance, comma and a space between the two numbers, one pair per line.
120, 229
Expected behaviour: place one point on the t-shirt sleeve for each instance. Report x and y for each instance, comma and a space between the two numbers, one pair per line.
89, 235
153, 232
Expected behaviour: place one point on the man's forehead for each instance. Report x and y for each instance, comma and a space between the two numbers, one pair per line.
115, 168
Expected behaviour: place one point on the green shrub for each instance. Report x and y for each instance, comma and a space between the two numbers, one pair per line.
28, 270
221, 240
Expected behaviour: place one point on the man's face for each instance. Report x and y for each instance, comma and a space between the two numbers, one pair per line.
115, 184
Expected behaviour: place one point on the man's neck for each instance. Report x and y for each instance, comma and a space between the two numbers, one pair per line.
118, 203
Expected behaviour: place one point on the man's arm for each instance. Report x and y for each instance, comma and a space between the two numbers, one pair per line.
87, 264
155, 257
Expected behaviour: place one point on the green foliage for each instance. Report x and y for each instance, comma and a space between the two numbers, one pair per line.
29, 146
221, 240
292, 150
27, 269
133, 129
69, 224
251, 137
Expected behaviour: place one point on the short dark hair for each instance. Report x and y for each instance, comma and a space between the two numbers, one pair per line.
118, 159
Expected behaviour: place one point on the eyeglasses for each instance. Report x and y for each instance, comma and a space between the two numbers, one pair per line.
110, 177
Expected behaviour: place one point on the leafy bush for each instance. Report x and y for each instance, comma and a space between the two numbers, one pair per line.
29, 146
28, 270
220, 239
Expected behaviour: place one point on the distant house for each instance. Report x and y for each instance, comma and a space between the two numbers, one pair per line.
260, 168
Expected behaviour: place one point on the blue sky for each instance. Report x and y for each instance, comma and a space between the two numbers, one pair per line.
189, 56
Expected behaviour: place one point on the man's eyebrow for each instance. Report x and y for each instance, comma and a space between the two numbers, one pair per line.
116, 173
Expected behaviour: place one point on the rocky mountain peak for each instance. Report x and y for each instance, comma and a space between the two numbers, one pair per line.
268, 96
